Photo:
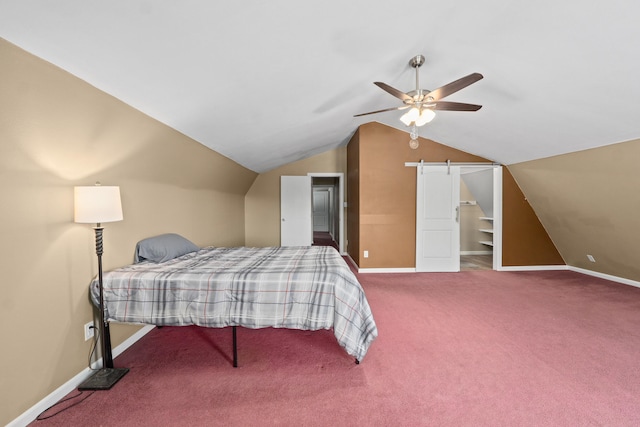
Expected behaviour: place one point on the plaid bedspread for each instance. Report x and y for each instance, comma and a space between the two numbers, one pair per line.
306, 288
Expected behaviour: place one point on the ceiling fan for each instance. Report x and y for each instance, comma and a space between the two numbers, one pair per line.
423, 103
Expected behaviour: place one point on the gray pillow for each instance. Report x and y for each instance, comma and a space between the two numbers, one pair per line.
163, 248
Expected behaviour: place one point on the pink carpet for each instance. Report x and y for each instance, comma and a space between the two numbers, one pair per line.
478, 348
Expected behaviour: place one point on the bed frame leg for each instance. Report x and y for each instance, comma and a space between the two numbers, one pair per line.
357, 362
235, 348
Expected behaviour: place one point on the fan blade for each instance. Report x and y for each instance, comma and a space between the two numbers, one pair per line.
456, 106
382, 111
453, 87
393, 91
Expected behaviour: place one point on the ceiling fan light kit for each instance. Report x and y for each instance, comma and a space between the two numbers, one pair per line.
418, 117
422, 103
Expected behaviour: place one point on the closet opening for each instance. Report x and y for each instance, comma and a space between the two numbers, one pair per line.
477, 218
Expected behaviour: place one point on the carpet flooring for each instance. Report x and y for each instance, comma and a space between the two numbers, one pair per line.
321, 238
476, 348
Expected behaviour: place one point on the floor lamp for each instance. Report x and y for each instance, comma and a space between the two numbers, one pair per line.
98, 204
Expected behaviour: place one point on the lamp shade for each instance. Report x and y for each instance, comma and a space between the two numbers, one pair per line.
410, 116
96, 204
426, 115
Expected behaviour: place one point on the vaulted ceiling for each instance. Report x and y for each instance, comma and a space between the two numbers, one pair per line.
266, 83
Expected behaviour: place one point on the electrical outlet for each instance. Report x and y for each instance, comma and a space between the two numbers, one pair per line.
366, 254
88, 331
591, 258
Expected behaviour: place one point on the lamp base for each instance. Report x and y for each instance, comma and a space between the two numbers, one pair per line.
103, 379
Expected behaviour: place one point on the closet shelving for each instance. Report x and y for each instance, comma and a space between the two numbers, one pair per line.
489, 231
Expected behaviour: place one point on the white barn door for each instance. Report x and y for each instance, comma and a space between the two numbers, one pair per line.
438, 219
296, 217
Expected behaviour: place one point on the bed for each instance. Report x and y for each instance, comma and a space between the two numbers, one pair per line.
173, 282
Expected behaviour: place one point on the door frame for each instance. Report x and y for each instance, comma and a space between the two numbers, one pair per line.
340, 205
497, 209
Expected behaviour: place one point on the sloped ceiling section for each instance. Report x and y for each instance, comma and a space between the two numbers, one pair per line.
268, 83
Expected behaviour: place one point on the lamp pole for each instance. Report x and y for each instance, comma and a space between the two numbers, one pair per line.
105, 338
97, 205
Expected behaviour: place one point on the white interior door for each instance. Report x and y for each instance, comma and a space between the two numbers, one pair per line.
296, 220
438, 219
321, 210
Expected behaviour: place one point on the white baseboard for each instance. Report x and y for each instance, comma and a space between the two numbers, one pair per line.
66, 388
606, 276
413, 270
386, 270
533, 267
577, 270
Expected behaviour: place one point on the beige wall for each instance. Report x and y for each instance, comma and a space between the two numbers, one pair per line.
57, 132
262, 203
589, 203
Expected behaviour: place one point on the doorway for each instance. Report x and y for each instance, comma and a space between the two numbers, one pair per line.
477, 217
328, 204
